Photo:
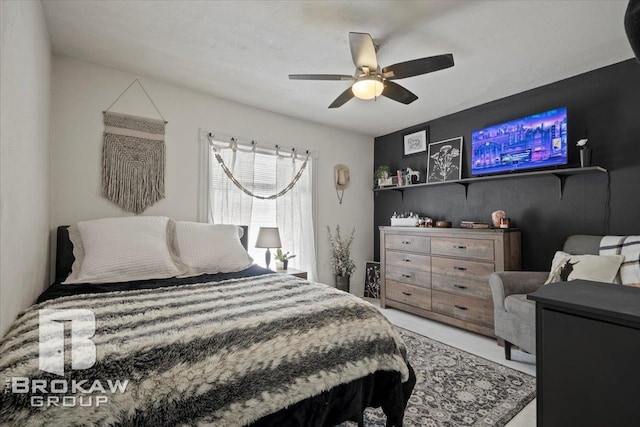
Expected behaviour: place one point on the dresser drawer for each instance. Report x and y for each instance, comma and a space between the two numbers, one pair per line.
466, 308
464, 248
407, 242
409, 261
408, 294
461, 286
476, 270
418, 278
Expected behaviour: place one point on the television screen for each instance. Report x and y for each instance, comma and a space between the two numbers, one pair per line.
535, 141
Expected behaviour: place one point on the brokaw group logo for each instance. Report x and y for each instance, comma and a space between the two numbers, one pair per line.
52, 356
51, 343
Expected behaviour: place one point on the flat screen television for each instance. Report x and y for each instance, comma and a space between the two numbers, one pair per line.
535, 141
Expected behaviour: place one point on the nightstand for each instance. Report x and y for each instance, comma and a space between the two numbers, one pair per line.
293, 272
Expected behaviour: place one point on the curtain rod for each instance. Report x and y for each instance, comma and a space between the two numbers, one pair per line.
251, 142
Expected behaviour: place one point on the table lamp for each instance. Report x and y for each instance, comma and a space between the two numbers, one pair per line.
268, 237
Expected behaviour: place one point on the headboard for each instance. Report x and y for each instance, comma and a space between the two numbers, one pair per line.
65, 258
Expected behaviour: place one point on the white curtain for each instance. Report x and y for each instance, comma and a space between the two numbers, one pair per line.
227, 203
264, 173
295, 213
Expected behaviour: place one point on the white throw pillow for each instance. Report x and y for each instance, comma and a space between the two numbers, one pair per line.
603, 268
210, 248
123, 250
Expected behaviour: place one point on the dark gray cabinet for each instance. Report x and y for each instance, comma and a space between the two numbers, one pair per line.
588, 354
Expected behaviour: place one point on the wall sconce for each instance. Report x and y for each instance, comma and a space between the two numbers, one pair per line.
341, 180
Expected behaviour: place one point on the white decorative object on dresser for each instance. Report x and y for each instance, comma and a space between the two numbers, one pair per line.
443, 274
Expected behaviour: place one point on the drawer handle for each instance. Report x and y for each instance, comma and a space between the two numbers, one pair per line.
406, 260
459, 247
408, 276
406, 293
459, 286
461, 307
460, 268
406, 242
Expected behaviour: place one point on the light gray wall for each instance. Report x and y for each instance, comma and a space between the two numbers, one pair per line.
81, 91
25, 77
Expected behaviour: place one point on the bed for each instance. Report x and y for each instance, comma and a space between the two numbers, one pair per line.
229, 349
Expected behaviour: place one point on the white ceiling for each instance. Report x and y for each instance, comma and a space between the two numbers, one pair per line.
244, 50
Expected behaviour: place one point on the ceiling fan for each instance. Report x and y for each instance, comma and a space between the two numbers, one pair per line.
369, 81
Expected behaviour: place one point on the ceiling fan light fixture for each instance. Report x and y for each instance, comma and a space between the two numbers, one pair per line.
370, 81
368, 87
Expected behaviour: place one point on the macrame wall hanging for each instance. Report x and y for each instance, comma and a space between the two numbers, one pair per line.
133, 158
234, 146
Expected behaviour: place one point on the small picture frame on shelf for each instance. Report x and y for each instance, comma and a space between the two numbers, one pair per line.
415, 142
444, 161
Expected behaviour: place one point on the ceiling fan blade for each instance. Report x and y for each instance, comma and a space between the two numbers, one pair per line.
398, 93
363, 51
342, 99
320, 77
402, 70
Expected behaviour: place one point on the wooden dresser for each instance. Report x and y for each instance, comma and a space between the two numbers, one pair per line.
443, 273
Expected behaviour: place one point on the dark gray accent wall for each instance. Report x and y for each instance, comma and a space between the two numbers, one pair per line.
604, 102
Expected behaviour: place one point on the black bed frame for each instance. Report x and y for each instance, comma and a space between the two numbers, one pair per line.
345, 402
65, 258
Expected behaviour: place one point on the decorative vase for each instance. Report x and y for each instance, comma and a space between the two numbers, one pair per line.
285, 264
342, 282
585, 157
280, 265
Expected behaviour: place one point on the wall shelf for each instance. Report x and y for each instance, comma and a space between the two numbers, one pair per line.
561, 174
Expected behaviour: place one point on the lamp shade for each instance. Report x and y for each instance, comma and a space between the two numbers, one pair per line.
268, 237
368, 87
632, 26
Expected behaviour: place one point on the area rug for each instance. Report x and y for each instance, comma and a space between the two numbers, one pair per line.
456, 388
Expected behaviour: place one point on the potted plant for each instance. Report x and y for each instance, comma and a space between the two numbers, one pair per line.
282, 259
343, 265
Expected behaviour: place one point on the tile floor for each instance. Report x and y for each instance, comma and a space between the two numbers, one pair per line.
473, 343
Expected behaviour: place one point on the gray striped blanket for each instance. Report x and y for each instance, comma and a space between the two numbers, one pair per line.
629, 246
223, 354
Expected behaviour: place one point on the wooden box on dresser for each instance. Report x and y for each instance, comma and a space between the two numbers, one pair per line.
443, 273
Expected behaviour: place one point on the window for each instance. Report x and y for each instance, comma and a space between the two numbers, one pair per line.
264, 173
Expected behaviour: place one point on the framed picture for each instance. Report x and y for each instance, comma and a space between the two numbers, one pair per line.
372, 280
444, 161
415, 142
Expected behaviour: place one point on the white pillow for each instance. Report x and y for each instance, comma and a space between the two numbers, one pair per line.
210, 248
603, 268
122, 250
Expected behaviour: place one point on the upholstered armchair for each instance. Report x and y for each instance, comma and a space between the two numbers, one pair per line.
514, 314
